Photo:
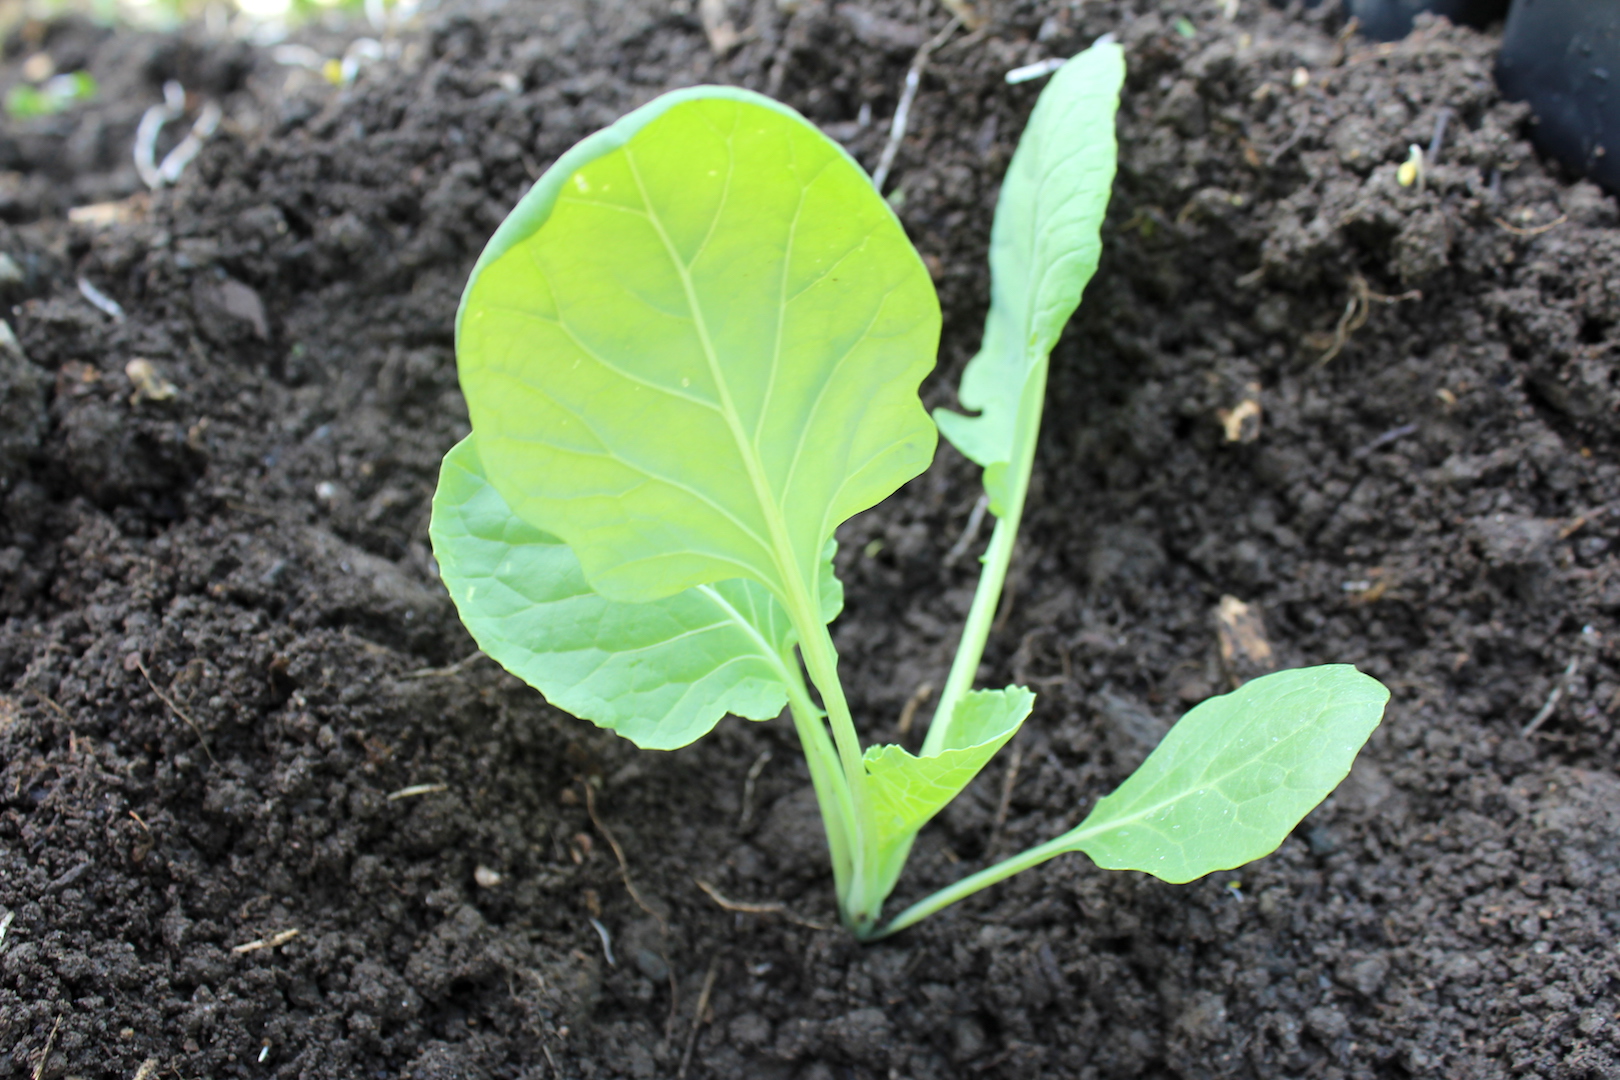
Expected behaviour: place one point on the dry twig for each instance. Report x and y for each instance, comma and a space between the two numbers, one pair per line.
444, 672
1008, 782
1552, 700
416, 789
53, 706
758, 909
50, 1044
270, 942
908, 712
624, 864
1533, 230
171, 703
607, 940
635, 894
970, 531
749, 784
908, 94
697, 1018
1356, 312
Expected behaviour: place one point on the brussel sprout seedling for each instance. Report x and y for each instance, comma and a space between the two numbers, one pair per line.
689, 355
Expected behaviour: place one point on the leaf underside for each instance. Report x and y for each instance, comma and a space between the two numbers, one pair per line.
705, 356
1044, 247
907, 791
662, 673
1235, 775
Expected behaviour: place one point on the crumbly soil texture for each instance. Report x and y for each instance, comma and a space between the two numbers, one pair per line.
264, 811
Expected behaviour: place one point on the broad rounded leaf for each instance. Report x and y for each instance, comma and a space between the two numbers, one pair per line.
697, 350
1044, 248
1235, 775
662, 674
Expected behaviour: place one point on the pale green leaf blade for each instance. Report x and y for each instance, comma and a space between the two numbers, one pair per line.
1044, 248
661, 674
906, 790
698, 351
1235, 775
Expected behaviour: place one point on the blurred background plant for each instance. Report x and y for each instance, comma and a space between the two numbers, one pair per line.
249, 16
52, 94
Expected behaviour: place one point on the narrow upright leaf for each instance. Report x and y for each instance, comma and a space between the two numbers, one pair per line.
1044, 247
661, 673
1235, 775
907, 791
698, 350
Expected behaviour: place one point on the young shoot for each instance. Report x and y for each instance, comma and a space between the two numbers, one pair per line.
691, 353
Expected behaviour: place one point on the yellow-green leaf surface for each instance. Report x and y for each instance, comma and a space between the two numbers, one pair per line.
695, 349
661, 673
907, 791
1044, 247
1235, 775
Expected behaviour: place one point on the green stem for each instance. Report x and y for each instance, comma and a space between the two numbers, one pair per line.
821, 660
832, 793
822, 663
996, 559
976, 631
974, 882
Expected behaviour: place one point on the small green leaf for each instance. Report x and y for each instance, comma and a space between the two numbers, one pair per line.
1233, 778
695, 349
907, 790
661, 674
1044, 248
59, 93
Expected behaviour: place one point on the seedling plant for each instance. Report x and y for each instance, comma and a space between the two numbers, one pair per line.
689, 354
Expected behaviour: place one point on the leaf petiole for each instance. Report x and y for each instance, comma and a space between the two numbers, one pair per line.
996, 561
1224, 787
826, 777
971, 884
858, 910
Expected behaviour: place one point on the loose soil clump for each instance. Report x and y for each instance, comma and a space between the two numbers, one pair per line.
264, 812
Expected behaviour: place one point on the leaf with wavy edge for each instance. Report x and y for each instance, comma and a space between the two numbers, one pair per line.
1044, 247
696, 350
661, 674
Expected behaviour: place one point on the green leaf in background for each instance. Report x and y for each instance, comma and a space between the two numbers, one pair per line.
1235, 775
661, 674
1044, 248
907, 791
694, 350
59, 93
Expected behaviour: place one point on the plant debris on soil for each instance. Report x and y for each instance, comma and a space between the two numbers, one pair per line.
264, 811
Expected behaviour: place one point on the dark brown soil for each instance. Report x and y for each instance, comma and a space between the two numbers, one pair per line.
224, 643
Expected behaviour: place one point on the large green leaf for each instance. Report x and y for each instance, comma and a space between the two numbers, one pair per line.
661, 673
907, 791
694, 349
1235, 775
1044, 247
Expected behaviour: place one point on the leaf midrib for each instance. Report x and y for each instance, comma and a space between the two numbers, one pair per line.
796, 596
1082, 833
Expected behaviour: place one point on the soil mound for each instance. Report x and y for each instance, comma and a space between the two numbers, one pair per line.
262, 812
